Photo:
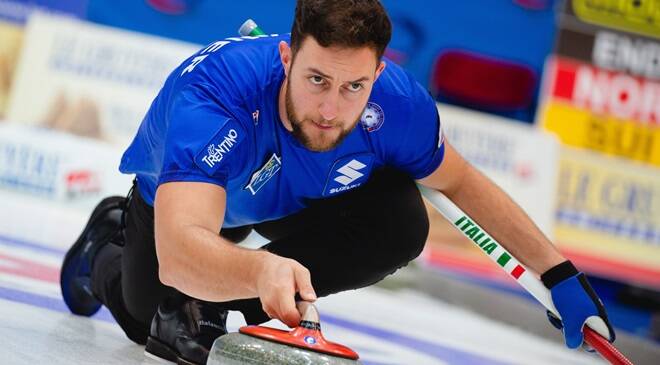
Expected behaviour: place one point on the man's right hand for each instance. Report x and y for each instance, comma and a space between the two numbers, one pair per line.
195, 260
278, 281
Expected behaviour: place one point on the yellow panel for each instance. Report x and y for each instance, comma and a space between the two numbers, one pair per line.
582, 128
642, 17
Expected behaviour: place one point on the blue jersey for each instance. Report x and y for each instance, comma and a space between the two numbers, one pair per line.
216, 120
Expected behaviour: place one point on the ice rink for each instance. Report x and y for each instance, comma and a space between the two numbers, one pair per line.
384, 327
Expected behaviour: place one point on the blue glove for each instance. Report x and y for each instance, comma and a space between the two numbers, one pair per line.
576, 301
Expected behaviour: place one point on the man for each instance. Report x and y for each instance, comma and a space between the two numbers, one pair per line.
315, 142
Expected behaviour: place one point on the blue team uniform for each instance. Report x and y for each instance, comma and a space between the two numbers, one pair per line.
216, 120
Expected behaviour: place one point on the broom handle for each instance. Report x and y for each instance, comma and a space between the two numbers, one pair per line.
470, 229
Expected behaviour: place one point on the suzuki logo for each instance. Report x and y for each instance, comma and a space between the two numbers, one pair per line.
349, 172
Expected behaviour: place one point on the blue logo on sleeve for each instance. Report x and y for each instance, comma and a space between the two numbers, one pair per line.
221, 145
261, 176
348, 173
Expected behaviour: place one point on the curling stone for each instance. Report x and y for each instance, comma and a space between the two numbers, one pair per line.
259, 345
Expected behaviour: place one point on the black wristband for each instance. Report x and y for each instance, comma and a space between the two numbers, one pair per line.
558, 274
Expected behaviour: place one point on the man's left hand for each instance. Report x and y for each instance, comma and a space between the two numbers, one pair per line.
576, 301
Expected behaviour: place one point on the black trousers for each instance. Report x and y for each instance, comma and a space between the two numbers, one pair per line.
347, 242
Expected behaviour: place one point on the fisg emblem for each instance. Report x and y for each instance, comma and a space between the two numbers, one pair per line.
372, 117
267, 171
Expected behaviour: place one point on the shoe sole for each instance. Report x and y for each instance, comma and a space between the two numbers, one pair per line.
157, 350
157, 359
75, 248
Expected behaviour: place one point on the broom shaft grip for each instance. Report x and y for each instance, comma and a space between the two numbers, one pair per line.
527, 279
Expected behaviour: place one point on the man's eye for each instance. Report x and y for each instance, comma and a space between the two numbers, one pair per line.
316, 80
356, 86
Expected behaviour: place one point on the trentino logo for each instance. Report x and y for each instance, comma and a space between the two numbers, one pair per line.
350, 172
211, 157
215, 153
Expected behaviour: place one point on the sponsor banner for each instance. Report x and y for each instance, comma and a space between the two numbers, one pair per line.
59, 167
89, 80
608, 216
641, 17
605, 92
517, 157
606, 49
610, 112
11, 37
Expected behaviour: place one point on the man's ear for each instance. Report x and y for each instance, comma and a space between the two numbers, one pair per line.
285, 56
379, 69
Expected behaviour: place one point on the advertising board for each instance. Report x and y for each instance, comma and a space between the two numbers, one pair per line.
89, 80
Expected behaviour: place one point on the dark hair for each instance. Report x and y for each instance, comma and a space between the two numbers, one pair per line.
343, 23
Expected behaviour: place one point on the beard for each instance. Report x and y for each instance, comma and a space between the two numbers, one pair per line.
323, 141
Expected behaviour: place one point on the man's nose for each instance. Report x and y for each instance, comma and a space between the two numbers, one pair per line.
329, 107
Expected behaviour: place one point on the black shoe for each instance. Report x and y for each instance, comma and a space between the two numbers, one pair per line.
184, 333
104, 225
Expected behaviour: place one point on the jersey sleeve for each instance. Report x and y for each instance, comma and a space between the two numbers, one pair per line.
204, 141
418, 147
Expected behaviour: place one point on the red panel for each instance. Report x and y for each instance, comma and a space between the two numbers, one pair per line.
565, 80
482, 81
